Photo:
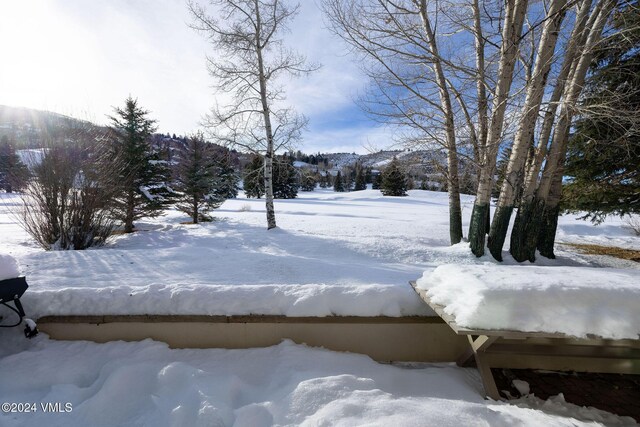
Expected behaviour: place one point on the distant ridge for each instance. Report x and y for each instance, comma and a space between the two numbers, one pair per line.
28, 127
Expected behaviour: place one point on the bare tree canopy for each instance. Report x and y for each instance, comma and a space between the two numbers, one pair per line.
249, 62
477, 79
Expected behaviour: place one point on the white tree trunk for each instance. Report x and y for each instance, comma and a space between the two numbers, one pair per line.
268, 157
526, 127
534, 211
511, 35
455, 211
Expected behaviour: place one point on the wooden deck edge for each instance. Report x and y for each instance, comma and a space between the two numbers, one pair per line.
255, 318
382, 338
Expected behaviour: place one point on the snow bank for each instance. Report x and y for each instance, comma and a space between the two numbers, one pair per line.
227, 300
576, 301
8, 267
146, 383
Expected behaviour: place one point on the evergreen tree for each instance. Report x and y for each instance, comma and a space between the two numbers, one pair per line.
603, 161
324, 180
368, 176
394, 180
13, 173
285, 178
347, 178
338, 184
142, 175
309, 181
197, 177
253, 178
328, 179
377, 181
227, 176
360, 181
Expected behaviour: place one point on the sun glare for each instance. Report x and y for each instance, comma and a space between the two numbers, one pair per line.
46, 59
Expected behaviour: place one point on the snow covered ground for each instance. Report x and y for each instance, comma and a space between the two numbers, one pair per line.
147, 384
349, 254
334, 253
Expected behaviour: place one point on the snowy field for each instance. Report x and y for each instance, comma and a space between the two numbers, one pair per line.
346, 254
333, 253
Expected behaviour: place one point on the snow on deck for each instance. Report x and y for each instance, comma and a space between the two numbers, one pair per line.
577, 301
146, 383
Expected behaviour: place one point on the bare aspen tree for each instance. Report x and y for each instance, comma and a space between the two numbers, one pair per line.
538, 213
536, 84
250, 58
399, 45
515, 12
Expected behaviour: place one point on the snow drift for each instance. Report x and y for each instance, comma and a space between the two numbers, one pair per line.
576, 301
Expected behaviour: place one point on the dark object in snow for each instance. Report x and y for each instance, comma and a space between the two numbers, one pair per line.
10, 291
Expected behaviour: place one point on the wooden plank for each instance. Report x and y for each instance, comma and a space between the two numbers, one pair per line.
479, 346
382, 341
152, 318
481, 343
563, 363
603, 352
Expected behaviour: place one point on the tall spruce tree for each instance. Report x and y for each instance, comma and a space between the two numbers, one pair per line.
361, 179
338, 183
228, 179
197, 179
603, 161
394, 180
13, 172
347, 178
308, 181
253, 178
143, 176
376, 181
285, 178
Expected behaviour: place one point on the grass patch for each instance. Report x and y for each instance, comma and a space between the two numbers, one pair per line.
628, 254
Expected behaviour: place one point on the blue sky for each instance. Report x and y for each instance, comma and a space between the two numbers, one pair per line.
81, 57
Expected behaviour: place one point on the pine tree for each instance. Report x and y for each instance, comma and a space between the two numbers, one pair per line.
394, 180
253, 178
377, 181
604, 153
309, 181
323, 181
360, 181
347, 178
197, 177
142, 175
285, 178
338, 184
227, 176
13, 173
368, 176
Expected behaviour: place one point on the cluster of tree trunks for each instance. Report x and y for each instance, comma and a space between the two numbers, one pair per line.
518, 88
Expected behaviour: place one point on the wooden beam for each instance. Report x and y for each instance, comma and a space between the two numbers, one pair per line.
251, 318
479, 347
